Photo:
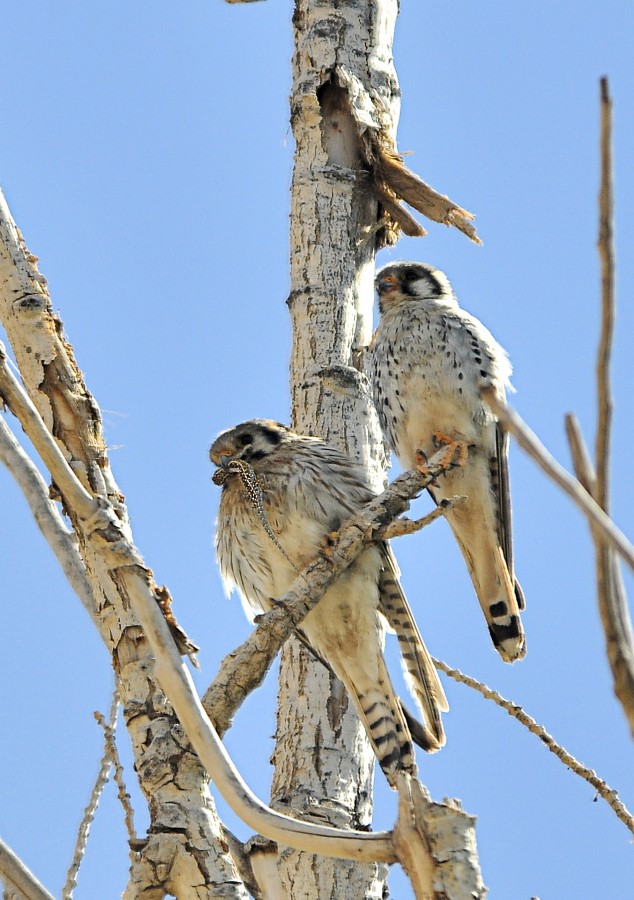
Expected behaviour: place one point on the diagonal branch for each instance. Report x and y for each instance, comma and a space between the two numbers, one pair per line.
530, 443
244, 669
607, 793
46, 515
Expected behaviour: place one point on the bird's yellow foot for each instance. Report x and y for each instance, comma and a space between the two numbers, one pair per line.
329, 543
456, 452
421, 462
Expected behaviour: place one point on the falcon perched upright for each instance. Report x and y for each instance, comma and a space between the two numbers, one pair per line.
269, 531
428, 362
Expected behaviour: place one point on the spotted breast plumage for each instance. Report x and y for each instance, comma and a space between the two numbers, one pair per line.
306, 490
428, 362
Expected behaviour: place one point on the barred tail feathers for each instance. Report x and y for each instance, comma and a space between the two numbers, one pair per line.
420, 673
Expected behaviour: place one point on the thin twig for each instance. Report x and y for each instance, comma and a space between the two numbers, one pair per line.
608, 794
91, 808
401, 527
109, 730
530, 443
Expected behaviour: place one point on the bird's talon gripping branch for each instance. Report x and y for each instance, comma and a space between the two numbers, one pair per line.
457, 452
329, 542
421, 462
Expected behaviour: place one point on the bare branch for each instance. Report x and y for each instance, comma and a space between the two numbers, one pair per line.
613, 608
582, 464
606, 256
608, 794
15, 875
46, 515
531, 444
403, 526
244, 669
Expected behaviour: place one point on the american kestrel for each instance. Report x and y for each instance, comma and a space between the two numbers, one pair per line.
305, 490
428, 361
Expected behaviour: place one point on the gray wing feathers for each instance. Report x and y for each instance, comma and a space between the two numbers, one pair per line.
502, 489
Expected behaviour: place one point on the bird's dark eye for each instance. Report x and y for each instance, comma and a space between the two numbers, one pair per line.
245, 440
410, 275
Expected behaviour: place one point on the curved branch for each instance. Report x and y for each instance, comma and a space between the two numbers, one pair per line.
178, 686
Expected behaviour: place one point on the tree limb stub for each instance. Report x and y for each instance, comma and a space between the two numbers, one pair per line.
393, 176
392, 180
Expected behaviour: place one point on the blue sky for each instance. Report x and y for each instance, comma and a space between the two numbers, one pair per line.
146, 155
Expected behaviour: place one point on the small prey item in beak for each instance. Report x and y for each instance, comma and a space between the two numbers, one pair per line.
250, 481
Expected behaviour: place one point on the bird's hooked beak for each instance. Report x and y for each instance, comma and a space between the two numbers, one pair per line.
386, 284
221, 458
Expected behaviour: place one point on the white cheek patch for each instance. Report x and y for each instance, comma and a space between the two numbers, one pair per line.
443, 281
